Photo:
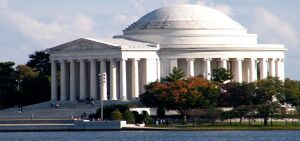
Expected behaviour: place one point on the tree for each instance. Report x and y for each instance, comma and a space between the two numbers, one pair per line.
292, 92
107, 110
34, 88
269, 95
240, 93
176, 75
40, 61
8, 84
116, 115
192, 92
128, 116
221, 75
240, 97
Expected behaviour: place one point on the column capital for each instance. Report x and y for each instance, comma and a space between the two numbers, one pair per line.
207, 59
190, 59
134, 59
263, 59
224, 59
241, 59
82, 60
54, 61
72, 60
62, 61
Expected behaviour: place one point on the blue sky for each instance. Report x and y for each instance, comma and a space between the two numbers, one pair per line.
30, 25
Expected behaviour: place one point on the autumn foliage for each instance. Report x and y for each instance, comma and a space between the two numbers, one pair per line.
180, 94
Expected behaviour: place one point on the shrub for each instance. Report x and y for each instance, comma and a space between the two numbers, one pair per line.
116, 115
128, 116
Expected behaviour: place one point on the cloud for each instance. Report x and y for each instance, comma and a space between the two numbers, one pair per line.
138, 4
226, 9
174, 2
52, 32
3, 4
272, 29
125, 18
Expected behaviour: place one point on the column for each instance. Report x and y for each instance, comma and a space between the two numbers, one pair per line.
72, 81
272, 67
123, 85
207, 70
63, 81
263, 68
54, 96
113, 80
238, 70
282, 70
253, 70
224, 63
135, 78
82, 79
158, 68
277, 68
93, 80
190, 66
103, 78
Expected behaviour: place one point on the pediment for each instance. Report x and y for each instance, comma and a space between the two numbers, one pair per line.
84, 44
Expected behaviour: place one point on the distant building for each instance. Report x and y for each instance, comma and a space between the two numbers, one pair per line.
194, 38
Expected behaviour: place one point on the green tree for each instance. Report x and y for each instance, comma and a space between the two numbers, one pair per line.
128, 116
292, 92
34, 88
116, 115
240, 97
269, 96
8, 84
221, 75
107, 110
176, 75
40, 61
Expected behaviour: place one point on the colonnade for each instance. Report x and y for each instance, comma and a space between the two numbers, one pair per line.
243, 69
80, 79
107, 79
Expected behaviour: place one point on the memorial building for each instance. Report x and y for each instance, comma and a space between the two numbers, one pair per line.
194, 38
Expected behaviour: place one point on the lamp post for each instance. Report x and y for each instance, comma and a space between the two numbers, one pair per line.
18, 86
102, 80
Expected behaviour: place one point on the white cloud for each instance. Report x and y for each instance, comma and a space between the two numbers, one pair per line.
3, 4
220, 7
138, 4
272, 29
174, 2
48, 33
125, 18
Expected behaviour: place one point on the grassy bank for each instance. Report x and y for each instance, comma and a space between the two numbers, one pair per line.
227, 126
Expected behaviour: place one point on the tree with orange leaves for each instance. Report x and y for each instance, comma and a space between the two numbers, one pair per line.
180, 94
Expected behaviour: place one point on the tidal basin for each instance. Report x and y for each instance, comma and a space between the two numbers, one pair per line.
279, 135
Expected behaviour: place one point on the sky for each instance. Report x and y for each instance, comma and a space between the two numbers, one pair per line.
33, 25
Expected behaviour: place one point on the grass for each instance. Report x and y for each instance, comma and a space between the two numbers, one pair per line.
233, 126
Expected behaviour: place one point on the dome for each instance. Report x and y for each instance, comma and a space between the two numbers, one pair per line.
185, 17
187, 24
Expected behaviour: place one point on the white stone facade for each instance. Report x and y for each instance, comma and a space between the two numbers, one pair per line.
194, 38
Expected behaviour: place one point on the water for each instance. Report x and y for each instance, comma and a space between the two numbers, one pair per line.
153, 136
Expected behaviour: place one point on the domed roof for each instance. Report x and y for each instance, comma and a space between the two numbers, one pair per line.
185, 17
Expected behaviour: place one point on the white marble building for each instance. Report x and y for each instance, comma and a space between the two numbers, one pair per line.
194, 38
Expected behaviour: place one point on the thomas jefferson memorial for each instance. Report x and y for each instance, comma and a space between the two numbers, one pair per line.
193, 38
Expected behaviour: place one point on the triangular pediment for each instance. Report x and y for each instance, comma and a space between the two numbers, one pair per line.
84, 44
